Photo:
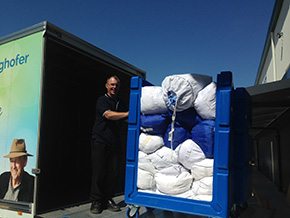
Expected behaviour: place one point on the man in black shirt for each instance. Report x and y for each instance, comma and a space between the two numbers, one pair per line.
110, 110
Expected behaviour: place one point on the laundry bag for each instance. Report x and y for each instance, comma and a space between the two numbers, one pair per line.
203, 135
205, 102
152, 101
155, 124
180, 91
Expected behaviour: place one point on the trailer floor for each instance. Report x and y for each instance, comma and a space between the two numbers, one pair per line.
266, 202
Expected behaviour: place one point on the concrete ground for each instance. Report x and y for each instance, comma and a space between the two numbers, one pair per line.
266, 202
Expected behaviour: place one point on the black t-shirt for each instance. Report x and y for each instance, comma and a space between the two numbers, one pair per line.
104, 130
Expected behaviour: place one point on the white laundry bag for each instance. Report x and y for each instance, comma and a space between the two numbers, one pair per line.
173, 184
180, 91
173, 170
145, 163
202, 169
145, 180
205, 102
202, 186
163, 158
152, 101
150, 143
189, 153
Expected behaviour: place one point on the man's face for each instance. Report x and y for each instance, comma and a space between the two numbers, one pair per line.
17, 165
112, 87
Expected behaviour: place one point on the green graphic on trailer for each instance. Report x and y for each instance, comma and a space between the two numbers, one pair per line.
20, 77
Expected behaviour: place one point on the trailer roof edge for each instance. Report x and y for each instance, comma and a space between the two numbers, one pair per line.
93, 50
24, 32
73, 40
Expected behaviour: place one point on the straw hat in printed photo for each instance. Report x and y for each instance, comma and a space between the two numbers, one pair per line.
18, 149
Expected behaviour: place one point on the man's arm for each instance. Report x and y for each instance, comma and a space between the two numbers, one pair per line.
113, 115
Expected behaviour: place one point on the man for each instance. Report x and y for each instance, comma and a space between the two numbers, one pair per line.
17, 185
110, 110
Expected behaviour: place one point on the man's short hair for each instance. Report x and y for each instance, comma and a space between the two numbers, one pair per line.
116, 78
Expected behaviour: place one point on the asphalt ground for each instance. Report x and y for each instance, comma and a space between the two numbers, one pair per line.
266, 202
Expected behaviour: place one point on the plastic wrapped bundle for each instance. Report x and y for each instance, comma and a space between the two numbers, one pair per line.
150, 143
203, 134
155, 124
205, 102
152, 101
189, 153
180, 91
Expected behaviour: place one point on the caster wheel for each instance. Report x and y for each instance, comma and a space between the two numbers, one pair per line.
132, 212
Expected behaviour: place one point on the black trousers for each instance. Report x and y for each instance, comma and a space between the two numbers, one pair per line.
105, 167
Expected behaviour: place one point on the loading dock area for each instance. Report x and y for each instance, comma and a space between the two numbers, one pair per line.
270, 130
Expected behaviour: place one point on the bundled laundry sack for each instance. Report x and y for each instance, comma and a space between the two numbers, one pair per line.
173, 185
152, 101
205, 102
187, 118
203, 135
175, 135
143, 157
145, 180
145, 163
150, 143
202, 186
180, 91
173, 170
189, 153
163, 158
155, 124
202, 169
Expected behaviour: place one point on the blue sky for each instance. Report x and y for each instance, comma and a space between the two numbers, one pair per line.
161, 37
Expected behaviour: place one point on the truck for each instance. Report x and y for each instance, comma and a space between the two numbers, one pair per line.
49, 83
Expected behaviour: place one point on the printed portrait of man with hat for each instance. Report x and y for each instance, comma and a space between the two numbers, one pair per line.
17, 185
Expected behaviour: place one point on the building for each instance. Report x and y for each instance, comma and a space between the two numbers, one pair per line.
271, 101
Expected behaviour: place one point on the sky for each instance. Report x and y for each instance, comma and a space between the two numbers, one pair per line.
161, 37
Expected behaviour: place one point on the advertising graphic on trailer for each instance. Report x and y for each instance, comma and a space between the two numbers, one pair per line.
20, 82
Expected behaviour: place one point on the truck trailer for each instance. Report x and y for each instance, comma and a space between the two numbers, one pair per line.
49, 83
